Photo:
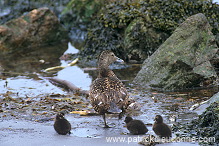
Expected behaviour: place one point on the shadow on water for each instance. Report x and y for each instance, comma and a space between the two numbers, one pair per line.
26, 94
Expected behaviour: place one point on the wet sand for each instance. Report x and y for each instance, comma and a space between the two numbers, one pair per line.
22, 133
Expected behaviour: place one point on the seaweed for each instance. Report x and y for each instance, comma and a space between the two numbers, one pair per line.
155, 19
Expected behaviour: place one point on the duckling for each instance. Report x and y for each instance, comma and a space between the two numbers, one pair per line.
135, 127
61, 125
160, 128
107, 93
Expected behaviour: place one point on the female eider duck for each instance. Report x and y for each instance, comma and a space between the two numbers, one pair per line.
107, 93
61, 125
160, 128
135, 127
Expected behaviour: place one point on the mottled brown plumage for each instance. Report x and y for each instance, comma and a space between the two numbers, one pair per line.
107, 93
160, 128
61, 125
135, 127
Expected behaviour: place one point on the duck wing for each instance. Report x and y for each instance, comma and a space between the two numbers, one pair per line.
108, 94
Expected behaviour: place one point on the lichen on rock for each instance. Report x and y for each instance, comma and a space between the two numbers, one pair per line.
184, 59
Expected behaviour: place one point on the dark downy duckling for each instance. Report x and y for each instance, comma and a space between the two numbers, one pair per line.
160, 128
107, 93
135, 127
61, 125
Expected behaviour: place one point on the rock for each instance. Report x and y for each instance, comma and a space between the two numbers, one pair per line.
39, 27
184, 59
140, 40
201, 107
205, 126
30, 38
133, 30
14, 9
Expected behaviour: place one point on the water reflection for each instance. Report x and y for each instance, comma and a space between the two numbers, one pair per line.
76, 76
22, 86
71, 49
22, 71
32, 60
24, 77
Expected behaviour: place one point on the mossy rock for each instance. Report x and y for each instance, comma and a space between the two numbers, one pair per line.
141, 40
183, 60
83, 11
207, 124
138, 28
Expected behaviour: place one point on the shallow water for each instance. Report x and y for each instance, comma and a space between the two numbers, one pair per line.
29, 103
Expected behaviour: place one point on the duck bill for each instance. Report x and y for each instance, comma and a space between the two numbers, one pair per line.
119, 60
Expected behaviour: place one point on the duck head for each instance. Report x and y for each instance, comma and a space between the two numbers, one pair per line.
106, 58
128, 119
158, 119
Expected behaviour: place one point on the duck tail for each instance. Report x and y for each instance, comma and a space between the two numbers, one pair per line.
114, 108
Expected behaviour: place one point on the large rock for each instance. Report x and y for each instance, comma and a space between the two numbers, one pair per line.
37, 28
183, 60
